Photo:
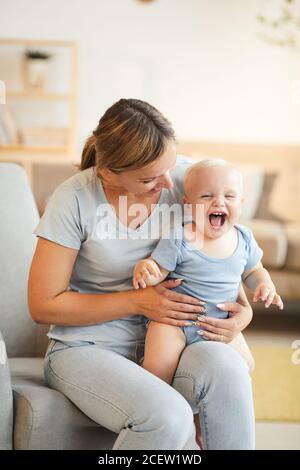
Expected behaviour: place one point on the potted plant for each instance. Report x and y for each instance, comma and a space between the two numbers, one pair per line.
36, 64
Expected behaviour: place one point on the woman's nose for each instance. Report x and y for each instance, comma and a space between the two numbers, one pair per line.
166, 180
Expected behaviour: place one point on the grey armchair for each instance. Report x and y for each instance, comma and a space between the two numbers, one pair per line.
32, 416
6, 407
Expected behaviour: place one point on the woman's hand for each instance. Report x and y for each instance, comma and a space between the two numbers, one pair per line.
240, 315
163, 305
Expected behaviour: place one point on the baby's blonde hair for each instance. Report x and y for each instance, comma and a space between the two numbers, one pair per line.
210, 163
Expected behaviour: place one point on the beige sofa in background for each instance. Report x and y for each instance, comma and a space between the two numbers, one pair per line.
272, 206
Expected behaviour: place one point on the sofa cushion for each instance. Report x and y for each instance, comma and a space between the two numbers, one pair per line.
253, 180
287, 283
263, 210
285, 198
46, 419
272, 239
46, 177
293, 239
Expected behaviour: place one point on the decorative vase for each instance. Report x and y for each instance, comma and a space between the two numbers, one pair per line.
36, 73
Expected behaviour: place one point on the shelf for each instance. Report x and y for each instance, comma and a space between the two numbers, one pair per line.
42, 96
29, 142
29, 149
32, 158
38, 42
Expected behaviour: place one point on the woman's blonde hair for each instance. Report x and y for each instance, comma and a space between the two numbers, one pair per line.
131, 134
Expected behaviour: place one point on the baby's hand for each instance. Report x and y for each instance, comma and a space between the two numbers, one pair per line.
146, 273
268, 294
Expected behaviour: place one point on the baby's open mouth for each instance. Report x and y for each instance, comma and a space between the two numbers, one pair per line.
217, 219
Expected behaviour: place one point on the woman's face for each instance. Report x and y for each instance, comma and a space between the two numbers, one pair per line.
151, 178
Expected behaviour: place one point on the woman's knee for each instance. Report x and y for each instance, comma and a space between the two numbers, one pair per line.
166, 422
172, 417
213, 357
210, 365
225, 360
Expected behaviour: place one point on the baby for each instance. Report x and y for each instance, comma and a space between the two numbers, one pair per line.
212, 255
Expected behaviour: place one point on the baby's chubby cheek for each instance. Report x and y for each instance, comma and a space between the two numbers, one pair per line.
236, 212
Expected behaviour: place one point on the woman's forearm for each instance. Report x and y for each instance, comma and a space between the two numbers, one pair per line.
73, 308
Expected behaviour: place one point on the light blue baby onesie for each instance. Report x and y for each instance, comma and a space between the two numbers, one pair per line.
210, 279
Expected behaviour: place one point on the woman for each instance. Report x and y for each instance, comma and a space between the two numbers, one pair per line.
90, 238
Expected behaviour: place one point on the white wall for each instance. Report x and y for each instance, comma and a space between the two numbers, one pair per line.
198, 61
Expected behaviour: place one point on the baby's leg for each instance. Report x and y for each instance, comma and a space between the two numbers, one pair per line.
163, 347
240, 345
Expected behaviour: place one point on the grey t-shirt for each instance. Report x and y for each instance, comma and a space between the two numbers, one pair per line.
79, 216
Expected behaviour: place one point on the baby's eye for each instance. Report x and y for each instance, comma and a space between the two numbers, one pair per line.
205, 196
230, 196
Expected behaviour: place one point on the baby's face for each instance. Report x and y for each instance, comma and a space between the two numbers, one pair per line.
217, 192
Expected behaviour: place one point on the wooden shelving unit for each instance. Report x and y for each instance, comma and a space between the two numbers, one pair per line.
24, 152
21, 95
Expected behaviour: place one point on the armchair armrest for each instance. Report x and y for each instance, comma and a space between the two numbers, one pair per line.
6, 400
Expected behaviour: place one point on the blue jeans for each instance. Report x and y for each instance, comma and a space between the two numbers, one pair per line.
105, 381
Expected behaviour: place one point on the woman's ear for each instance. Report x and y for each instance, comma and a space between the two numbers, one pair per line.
187, 204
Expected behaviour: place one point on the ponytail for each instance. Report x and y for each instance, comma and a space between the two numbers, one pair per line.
88, 157
131, 134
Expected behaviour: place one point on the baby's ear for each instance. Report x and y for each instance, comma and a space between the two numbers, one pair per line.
184, 200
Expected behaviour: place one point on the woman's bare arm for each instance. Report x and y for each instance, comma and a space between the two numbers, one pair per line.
50, 302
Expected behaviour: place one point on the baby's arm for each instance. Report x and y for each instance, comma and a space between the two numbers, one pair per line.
259, 281
148, 273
